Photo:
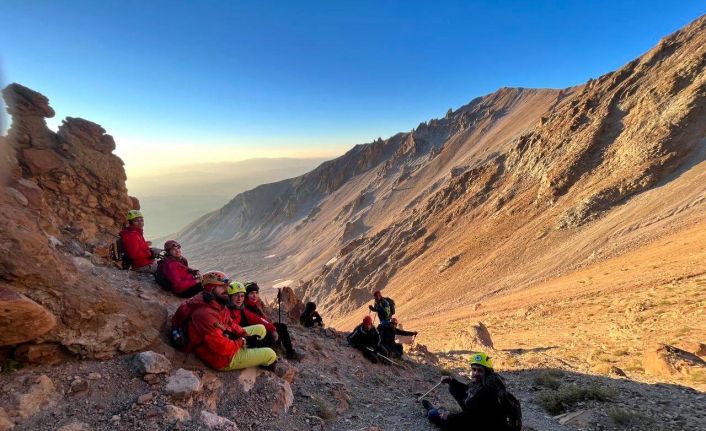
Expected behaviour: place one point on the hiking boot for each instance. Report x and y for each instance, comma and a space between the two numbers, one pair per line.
294, 356
427, 405
272, 367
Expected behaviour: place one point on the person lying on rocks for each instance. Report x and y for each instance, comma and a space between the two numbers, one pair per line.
382, 307
137, 250
253, 304
310, 317
216, 338
266, 333
366, 339
387, 337
481, 401
173, 272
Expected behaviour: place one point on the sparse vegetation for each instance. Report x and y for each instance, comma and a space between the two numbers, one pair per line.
548, 379
324, 409
559, 401
446, 371
381, 379
627, 419
9, 366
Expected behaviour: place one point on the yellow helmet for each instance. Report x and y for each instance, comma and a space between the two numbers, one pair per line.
133, 214
214, 278
236, 287
481, 358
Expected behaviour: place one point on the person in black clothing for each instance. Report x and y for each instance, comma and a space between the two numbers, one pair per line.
366, 339
252, 303
382, 307
310, 317
387, 338
479, 400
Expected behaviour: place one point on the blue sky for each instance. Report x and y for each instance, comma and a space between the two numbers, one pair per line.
176, 82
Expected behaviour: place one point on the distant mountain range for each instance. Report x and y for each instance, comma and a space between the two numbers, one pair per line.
171, 201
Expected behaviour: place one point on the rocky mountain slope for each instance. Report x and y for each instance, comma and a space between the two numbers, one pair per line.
527, 207
332, 388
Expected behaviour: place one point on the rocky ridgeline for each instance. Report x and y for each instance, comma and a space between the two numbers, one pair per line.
255, 214
601, 143
62, 199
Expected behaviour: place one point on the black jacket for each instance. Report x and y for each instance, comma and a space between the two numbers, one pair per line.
361, 337
480, 404
311, 319
388, 333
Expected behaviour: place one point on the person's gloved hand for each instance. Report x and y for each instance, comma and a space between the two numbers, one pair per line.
251, 340
371, 308
230, 334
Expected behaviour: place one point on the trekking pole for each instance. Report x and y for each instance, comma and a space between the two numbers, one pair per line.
381, 356
429, 391
279, 305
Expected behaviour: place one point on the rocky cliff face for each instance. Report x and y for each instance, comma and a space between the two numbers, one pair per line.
63, 197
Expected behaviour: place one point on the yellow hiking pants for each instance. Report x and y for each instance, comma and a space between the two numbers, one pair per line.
252, 357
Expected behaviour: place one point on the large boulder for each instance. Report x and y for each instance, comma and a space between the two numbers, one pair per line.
664, 360
21, 318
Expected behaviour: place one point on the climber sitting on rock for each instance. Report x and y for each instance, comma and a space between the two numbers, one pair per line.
137, 250
173, 272
387, 337
384, 307
310, 317
366, 339
216, 338
267, 334
485, 402
281, 335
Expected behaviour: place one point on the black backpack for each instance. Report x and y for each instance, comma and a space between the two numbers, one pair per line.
160, 278
512, 411
392, 305
116, 253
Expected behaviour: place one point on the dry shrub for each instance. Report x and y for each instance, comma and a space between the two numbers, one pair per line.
559, 401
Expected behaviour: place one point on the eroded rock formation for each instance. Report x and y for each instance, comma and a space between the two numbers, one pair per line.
64, 193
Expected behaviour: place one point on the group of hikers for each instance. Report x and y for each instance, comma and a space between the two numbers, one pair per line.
224, 324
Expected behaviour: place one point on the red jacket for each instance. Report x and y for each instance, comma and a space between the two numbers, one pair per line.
136, 248
246, 317
208, 342
177, 271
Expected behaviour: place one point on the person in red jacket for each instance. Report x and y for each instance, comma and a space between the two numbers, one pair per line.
137, 250
281, 334
173, 272
213, 335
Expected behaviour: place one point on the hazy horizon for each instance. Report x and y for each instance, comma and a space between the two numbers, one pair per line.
170, 201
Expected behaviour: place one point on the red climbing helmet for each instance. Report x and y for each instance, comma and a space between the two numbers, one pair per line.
367, 320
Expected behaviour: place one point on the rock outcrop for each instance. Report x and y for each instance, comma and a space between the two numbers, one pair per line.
64, 194
72, 173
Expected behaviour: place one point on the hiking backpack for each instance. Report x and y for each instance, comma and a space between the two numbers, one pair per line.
392, 305
179, 336
512, 411
160, 278
116, 253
